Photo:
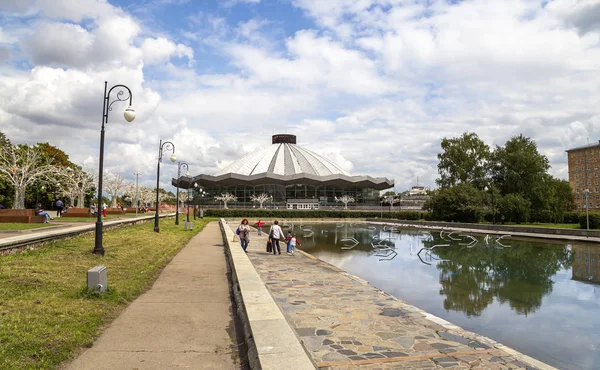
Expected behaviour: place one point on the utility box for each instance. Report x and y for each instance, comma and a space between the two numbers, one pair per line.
97, 278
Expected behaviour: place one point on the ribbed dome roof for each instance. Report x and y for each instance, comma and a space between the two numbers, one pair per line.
285, 158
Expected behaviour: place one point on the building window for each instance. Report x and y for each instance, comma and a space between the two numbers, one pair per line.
582, 168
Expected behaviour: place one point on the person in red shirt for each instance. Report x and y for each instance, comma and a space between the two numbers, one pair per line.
259, 226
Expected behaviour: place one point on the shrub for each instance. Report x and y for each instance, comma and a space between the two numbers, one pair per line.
594, 220
571, 217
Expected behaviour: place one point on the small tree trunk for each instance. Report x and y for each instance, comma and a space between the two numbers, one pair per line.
225, 204
114, 202
80, 201
19, 201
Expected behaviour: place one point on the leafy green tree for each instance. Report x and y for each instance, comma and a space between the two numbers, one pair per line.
561, 199
463, 202
518, 167
515, 208
464, 160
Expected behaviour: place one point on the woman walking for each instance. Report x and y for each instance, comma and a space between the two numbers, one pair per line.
244, 233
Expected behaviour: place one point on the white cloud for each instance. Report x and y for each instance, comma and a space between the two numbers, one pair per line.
376, 84
230, 3
160, 50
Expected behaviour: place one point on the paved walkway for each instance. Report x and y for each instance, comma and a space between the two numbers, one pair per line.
345, 323
184, 321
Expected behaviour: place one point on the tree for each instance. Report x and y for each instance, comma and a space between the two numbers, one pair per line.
6, 189
114, 185
21, 166
463, 160
345, 199
260, 198
561, 199
515, 208
463, 203
76, 183
519, 168
226, 198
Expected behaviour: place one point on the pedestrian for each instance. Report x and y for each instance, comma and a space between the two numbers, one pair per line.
293, 242
244, 234
274, 235
59, 208
104, 209
259, 226
39, 211
288, 238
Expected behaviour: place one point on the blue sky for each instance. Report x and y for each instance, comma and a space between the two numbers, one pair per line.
375, 85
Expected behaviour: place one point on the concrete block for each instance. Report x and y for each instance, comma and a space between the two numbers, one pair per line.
97, 278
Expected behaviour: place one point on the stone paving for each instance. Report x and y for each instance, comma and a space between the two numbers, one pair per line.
345, 323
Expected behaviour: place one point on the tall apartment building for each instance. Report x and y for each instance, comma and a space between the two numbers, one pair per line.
583, 175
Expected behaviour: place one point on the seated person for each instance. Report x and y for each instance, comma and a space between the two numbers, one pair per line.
39, 211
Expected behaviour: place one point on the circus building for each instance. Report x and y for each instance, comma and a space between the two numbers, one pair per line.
292, 176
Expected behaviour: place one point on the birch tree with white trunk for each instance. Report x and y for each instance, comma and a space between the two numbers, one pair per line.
391, 200
226, 198
345, 199
260, 198
23, 165
114, 185
75, 183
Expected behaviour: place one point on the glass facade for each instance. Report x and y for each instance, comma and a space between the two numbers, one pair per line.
324, 194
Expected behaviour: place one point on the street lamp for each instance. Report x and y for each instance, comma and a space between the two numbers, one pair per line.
187, 174
137, 202
129, 115
168, 146
586, 192
188, 225
201, 194
491, 189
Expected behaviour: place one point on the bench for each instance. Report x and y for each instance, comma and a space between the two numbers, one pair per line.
26, 216
78, 212
115, 211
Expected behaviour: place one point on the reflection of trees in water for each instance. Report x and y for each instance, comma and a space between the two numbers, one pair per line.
520, 276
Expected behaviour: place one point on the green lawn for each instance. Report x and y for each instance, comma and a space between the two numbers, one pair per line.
46, 313
554, 226
21, 226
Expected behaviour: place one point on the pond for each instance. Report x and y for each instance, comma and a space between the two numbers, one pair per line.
537, 296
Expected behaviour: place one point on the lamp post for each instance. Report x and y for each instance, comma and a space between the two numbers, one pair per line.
168, 146
188, 224
587, 213
129, 116
137, 202
491, 189
187, 174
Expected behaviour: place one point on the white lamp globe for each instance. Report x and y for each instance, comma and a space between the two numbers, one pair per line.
187, 174
173, 158
129, 114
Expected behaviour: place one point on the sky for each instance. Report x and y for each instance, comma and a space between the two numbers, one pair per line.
374, 85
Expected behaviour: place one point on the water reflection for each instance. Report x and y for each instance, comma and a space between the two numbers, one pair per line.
519, 292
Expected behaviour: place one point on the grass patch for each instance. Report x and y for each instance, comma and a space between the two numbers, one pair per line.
46, 313
21, 226
549, 225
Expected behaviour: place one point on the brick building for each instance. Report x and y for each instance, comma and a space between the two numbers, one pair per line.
583, 175
586, 263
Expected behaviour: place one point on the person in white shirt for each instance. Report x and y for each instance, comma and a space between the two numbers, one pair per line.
274, 235
293, 243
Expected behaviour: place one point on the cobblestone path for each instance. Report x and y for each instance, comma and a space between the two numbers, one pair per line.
345, 323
